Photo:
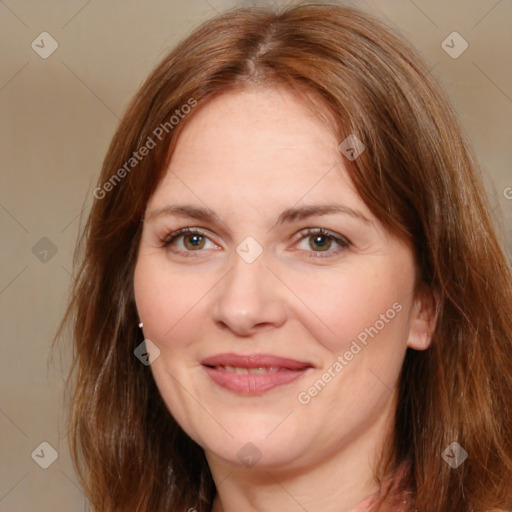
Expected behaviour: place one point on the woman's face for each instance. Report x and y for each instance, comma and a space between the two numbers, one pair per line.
280, 344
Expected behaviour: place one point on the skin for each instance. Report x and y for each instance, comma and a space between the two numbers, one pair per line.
248, 156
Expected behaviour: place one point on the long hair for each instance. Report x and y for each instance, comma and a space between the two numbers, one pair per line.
417, 175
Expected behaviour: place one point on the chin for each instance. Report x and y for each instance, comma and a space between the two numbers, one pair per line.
256, 455
253, 447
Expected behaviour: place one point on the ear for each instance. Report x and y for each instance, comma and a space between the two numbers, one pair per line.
423, 318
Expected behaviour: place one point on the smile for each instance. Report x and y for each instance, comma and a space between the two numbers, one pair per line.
253, 374
245, 371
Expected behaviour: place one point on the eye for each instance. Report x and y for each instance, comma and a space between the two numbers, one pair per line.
319, 240
187, 240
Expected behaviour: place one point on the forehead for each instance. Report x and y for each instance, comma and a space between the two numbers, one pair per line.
257, 146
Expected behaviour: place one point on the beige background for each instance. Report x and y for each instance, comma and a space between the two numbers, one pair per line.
57, 117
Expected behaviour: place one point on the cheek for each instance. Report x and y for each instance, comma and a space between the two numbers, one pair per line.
350, 302
162, 298
172, 304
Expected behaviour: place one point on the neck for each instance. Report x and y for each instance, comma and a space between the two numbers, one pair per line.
332, 482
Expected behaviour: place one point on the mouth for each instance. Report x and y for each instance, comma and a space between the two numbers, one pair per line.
253, 374
245, 371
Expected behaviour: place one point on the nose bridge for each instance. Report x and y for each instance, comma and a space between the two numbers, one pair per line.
246, 299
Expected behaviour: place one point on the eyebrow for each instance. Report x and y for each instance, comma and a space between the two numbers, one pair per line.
185, 210
294, 214
287, 216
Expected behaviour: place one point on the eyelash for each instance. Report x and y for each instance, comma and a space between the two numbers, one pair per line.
341, 241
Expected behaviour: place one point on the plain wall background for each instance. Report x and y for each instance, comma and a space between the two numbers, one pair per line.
57, 117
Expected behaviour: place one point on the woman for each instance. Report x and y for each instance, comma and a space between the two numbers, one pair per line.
290, 217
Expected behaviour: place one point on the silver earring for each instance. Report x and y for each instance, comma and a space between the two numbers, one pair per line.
141, 325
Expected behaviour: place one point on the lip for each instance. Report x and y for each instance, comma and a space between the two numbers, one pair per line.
254, 361
253, 384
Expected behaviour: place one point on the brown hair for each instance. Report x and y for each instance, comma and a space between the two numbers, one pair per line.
417, 175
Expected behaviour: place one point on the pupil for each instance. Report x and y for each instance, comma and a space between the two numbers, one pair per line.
321, 241
194, 241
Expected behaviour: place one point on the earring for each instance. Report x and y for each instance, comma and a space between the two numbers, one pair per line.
141, 325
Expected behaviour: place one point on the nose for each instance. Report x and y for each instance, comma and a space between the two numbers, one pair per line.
249, 299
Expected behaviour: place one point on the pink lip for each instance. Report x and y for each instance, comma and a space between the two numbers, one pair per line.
254, 361
253, 384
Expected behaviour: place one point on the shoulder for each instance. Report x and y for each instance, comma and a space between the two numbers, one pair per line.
398, 505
